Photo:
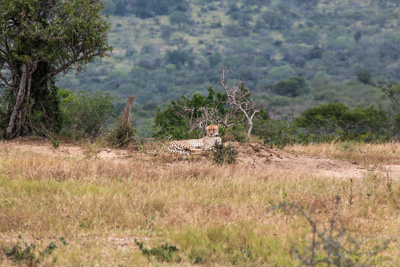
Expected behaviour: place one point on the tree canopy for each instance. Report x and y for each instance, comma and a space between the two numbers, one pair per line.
38, 40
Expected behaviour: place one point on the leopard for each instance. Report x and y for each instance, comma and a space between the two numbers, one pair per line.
190, 146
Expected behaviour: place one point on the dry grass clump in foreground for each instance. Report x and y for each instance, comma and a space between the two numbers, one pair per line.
361, 153
180, 211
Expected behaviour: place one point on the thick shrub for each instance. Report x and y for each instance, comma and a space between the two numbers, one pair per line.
171, 123
84, 114
277, 133
224, 154
292, 87
336, 120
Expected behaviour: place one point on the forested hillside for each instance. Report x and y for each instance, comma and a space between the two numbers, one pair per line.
165, 49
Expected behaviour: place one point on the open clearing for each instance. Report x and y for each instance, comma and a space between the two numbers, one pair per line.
101, 200
251, 156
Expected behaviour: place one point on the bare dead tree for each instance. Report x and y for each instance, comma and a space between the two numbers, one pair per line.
199, 118
240, 100
126, 116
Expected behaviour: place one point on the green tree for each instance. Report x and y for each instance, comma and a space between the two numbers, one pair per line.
215, 59
292, 87
180, 18
306, 4
357, 36
259, 3
166, 32
275, 20
38, 40
173, 120
308, 36
337, 120
364, 77
281, 73
178, 58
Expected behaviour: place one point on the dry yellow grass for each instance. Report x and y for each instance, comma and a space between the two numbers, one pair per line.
364, 154
212, 214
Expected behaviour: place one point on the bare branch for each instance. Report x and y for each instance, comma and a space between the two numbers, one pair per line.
239, 98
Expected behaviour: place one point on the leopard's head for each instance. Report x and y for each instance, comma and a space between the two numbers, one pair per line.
212, 130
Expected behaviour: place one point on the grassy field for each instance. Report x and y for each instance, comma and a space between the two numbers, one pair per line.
151, 208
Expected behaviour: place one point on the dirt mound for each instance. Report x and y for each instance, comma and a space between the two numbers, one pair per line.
255, 155
258, 155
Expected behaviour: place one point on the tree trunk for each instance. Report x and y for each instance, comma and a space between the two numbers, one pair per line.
126, 118
20, 98
250, 128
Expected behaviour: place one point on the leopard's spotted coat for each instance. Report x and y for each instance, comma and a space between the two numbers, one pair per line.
187, 147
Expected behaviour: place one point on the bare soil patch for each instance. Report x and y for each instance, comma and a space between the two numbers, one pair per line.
258, 156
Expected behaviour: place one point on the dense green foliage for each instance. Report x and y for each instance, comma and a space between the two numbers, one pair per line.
173, 121
336, 120
144, 8
292, 87
187, 117
224, 154
38, 40
84, 114
327, 122
179, 50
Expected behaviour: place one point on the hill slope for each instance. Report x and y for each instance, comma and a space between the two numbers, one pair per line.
161, 57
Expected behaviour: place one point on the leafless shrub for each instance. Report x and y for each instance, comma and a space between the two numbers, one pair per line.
241, 101
332, 245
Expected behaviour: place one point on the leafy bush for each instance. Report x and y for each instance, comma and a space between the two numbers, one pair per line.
308, 36
238, 131
293, 87
180, 18
364, 77
170, 123
224, 154
336, 120
280, 133
84, 114
28, 255
276, 20
235, 30
281, 73
144, 8
178, 58
163, 253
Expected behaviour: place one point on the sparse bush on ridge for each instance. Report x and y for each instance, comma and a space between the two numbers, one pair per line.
224, 154
121, 135
124, 132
